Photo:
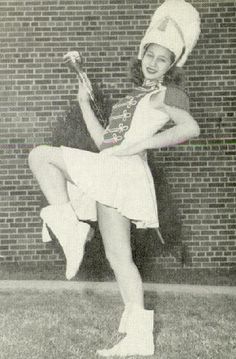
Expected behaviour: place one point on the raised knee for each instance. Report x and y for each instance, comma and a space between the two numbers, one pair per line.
36, 156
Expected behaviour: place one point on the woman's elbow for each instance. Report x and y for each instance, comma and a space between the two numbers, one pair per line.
195, 129
189, 124
192, 127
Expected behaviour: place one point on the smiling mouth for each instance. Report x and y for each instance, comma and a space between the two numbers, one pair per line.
151, 71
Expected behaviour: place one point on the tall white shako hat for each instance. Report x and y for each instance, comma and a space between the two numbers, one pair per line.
175, 25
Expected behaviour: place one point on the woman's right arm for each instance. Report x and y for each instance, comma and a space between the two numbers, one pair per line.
93, 125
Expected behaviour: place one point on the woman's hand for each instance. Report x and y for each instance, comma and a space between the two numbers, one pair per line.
130, 150
107, 151
83, 95
125, 150
94, 127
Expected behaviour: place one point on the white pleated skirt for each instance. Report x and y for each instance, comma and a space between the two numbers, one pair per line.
124, 183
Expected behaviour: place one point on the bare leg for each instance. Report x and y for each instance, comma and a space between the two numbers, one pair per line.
115, 230
47, 165
138, 324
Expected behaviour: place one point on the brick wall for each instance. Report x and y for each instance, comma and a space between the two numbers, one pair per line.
36, 88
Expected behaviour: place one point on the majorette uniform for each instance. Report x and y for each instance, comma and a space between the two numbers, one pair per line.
126, 182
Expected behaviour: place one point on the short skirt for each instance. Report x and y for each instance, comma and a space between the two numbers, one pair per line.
124, 183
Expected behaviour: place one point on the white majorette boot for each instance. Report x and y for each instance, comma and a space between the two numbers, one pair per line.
71, 233
139, 338
123, 321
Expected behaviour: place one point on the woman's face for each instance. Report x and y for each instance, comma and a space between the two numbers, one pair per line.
156, 62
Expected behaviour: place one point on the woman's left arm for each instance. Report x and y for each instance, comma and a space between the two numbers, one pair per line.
185, 128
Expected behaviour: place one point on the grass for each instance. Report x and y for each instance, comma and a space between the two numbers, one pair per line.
102, 272
68, 325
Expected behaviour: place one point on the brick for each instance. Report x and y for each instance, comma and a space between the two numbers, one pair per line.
36, 88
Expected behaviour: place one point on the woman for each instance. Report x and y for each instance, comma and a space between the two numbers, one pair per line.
118, 178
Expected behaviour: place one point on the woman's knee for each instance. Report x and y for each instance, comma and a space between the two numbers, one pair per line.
43, 156
37, 156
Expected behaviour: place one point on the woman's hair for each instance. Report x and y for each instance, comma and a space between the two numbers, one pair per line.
174, 76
